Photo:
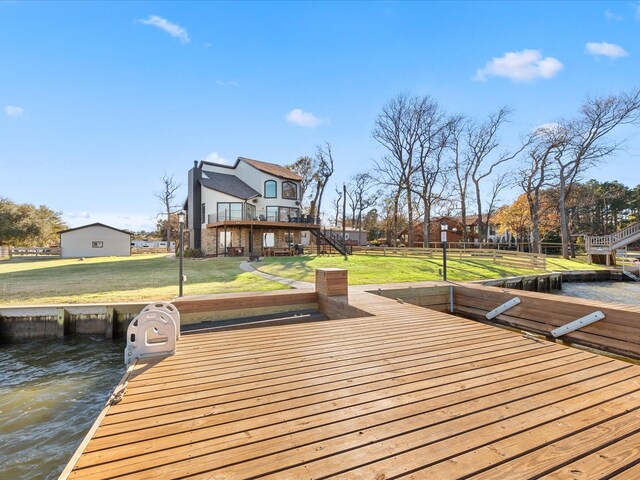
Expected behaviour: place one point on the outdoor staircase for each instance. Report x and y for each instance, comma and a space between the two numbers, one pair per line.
606, 245
634, 272
330, 239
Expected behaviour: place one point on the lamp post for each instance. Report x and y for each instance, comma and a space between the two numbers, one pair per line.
181, 219
443, 238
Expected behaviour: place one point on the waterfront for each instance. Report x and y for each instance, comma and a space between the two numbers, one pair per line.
612, 292
51, 391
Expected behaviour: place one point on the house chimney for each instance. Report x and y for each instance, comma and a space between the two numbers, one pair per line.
194, 219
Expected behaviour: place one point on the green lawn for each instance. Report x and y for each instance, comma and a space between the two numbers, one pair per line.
142, 278
364, 270
119, 279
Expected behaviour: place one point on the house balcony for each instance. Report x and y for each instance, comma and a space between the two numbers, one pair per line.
239, 219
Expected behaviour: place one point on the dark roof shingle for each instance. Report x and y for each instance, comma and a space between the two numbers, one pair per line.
271, 168
229, 184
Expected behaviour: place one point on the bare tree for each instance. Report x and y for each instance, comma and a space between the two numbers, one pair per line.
587, 144
337, 204
498, 184
546, 143
361, 197
482, 142
390, 176
324, 170
167, 196
430, 179
305, 167
397, 130
461, 166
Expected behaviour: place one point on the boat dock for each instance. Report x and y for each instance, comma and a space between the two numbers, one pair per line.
401, 392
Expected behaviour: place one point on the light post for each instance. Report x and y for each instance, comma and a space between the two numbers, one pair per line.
443, 238
181, 219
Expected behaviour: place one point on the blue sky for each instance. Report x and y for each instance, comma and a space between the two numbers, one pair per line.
97, 100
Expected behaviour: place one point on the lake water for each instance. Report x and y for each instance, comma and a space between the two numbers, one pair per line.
614, 292
51, 392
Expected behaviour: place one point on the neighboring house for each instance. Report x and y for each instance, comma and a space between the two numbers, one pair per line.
95, 240
455, 230
152, 244
249, 207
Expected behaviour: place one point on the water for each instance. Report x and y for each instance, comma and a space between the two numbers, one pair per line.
51, 392
614, 292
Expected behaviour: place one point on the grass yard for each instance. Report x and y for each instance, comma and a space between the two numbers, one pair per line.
141, 278
364, 269
119, 279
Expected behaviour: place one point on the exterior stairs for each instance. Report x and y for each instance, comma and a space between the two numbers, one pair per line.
604, 246
330, 239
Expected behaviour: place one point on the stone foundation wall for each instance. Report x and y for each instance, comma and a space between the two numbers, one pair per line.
240, 237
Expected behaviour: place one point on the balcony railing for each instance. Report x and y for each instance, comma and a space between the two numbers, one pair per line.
239, 216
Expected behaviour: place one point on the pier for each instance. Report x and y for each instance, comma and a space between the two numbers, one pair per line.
397, 391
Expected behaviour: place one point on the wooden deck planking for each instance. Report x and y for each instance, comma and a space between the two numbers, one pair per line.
407, 392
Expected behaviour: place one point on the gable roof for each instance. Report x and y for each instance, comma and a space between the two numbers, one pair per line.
97, 224
271, 168
229, 184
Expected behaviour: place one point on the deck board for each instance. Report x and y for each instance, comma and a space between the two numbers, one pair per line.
405, 393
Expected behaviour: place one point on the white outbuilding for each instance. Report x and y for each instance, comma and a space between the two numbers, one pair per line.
95, 240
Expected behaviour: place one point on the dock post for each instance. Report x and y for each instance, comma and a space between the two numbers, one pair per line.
62, 323
109, 323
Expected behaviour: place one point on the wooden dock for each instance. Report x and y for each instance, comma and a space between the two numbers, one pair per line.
404, 393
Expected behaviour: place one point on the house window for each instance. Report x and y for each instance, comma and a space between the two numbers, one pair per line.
272, 214
286, 212
251, 212
203, 210
289, 190
229, 211
268, 239
270, 189
97, 244
225, 240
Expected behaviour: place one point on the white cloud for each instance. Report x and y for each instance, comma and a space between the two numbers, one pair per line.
13, 111
605, 49
229, 83
609, 15
215, 158
172, 29
521, 66
303, 119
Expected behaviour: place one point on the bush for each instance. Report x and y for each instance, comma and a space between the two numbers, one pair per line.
192, 253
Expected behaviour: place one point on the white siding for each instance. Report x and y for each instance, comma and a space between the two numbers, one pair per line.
79, 243
255, 179
210, 198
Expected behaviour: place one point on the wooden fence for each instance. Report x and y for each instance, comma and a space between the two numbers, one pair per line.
499, 257
142, 250
35, 251
5, 251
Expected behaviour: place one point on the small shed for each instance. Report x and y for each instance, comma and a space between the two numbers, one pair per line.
95, 240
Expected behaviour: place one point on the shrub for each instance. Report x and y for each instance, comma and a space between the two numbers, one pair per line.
192, 253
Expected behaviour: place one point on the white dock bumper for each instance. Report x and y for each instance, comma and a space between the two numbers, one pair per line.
152, 333
576, 324
503, 308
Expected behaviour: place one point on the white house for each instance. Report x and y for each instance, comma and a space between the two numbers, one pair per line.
251, 207
95, 240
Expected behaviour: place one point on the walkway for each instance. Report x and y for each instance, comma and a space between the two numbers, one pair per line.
407, 392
